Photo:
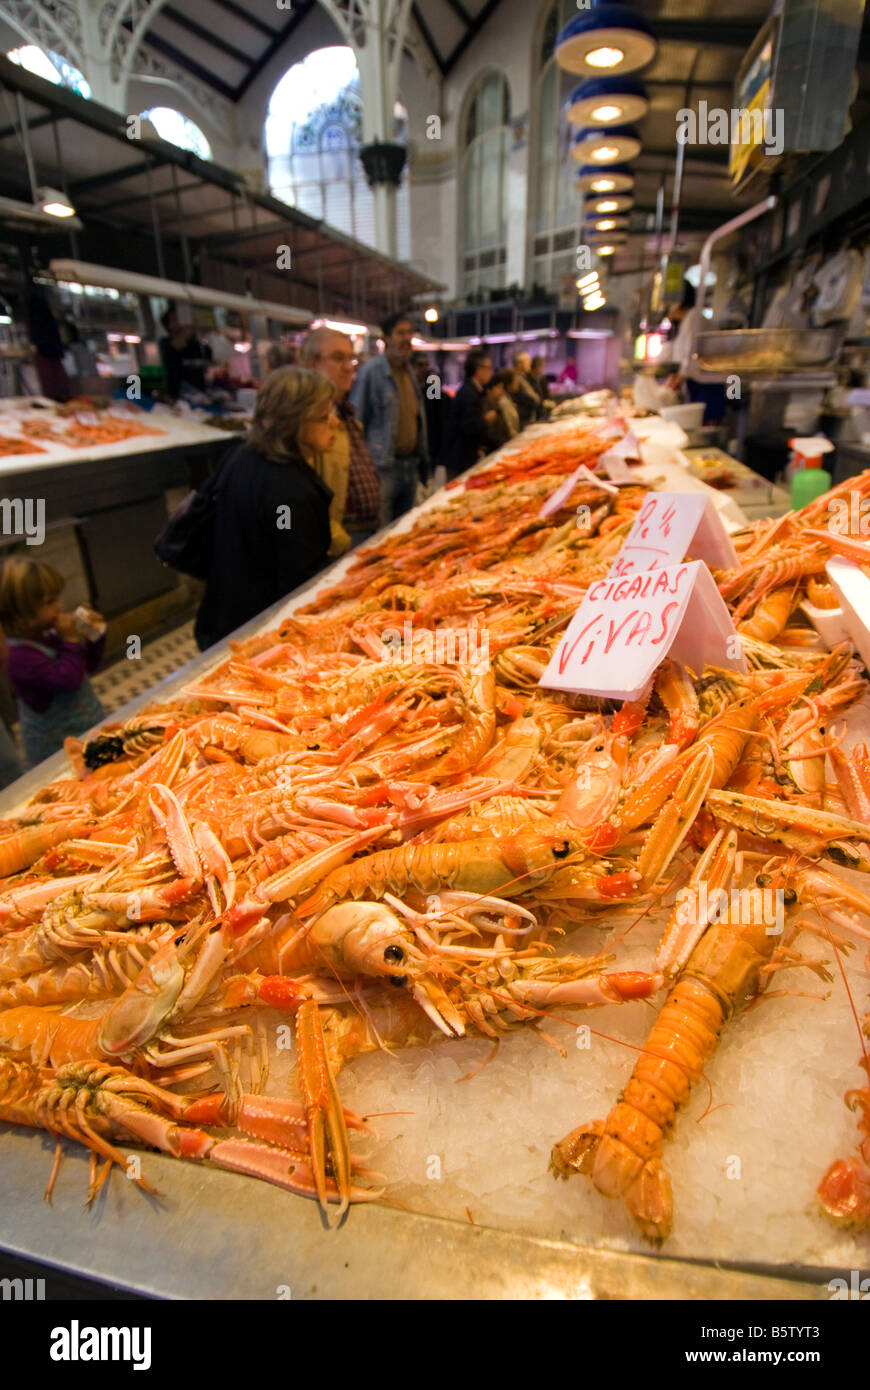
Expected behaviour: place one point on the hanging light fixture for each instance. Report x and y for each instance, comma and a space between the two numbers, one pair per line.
599, 147
613, 178
607, 38
611, 224
54, 203
606, 101
606, 206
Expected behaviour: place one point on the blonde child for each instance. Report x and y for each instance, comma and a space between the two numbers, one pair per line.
50, 657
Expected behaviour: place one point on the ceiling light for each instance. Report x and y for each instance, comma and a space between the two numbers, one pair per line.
54, 203
606, 101
608, 36
605, 250
618, 177
606, 226
604, 57
431, 314
608, 205
620, 142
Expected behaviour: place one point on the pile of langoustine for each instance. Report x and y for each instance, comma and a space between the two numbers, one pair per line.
373, 820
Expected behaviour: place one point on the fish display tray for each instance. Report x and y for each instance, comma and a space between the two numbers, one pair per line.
243, 1239
767, 350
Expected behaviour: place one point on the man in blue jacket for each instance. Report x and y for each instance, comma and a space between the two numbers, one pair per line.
389, 406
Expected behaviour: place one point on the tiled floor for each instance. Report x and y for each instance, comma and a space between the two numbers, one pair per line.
124, 679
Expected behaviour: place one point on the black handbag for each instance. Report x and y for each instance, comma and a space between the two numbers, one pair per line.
187, 540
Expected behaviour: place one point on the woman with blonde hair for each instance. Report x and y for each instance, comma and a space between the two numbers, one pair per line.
271, 526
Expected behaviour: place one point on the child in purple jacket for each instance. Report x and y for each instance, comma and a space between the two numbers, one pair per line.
49, 658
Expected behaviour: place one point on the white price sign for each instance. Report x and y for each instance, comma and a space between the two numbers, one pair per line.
668, 525
625, 627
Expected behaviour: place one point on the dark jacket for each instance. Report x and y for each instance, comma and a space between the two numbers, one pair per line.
466, 433
255, 562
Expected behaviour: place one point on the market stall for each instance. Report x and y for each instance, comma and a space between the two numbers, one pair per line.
96, 481
465, 1129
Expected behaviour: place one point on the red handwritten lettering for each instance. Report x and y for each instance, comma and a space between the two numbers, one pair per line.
614, 632
567, 652
640, 629
666, 613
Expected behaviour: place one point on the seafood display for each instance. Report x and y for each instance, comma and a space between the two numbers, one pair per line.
370, 826
76, 426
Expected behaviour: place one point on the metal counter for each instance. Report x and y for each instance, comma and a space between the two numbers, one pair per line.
215, 1235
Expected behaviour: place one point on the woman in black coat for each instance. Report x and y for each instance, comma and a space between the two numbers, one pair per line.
271, 529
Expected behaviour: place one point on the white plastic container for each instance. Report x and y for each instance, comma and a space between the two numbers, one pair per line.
852, 587
830, 624
691, 417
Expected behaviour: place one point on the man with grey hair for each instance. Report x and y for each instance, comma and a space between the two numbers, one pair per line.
347, 468
525, 397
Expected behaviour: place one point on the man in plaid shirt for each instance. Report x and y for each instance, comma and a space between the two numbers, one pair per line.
348, 468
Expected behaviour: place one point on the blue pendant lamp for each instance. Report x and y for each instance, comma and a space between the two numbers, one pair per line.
606, 205
606, 39
604, 180
601, 147
607, 101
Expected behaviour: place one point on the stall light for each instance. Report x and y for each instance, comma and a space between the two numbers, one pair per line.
607, 113
590, 279
604, 250
654, 344
54, 203
355, 330
115, 337
606, 226
241, 347
132, 338
589, 333
608, 205
603, 186
5, 318
500, 338
605, 152
431, 314
707, 312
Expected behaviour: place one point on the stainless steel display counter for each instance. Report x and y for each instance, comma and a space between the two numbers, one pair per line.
214, 1235
103, 506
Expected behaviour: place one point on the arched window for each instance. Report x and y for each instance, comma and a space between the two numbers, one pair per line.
52, 67
486, 143
177, 129
556, 202
313, 135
